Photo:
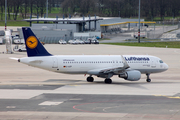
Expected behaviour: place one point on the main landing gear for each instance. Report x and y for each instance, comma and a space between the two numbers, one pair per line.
148, 79
107, 80
90, 79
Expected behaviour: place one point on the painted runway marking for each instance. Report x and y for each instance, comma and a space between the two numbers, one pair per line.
176, 51
49, 103
105, 109
173, 97
76, 99
177, 97
35, 83
11, 107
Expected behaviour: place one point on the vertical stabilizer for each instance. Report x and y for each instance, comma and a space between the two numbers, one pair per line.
33, 45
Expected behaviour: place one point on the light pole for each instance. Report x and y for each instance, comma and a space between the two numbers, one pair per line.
5, 14
139, 21
47, 9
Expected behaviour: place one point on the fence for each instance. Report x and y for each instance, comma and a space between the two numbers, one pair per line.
160, 30
55, 40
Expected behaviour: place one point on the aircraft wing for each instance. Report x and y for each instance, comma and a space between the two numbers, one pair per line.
111, 70
114, 70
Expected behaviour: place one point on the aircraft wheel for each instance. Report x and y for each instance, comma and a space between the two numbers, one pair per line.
148, 80
90, 79
108, 81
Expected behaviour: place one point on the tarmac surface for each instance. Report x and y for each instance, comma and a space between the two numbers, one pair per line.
28, 93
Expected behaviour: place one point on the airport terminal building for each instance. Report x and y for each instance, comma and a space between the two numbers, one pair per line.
51, 30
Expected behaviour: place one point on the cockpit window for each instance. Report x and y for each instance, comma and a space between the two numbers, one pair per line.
160, 61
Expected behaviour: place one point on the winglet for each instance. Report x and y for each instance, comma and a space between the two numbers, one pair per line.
126, 66
33, 45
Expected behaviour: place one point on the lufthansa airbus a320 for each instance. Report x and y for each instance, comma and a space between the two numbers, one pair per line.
129, 67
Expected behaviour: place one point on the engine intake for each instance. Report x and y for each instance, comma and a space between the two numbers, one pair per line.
132, 75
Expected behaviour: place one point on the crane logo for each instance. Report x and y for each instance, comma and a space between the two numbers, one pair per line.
31, 42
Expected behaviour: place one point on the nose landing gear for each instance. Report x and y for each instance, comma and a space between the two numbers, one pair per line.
148, 78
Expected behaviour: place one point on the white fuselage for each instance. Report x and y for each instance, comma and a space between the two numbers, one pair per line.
82, 64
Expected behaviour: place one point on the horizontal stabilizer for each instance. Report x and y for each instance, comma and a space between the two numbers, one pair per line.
14, 58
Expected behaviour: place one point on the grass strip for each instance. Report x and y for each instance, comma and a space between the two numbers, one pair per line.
15, 23
150, 44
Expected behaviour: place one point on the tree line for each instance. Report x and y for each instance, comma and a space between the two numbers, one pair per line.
108, 8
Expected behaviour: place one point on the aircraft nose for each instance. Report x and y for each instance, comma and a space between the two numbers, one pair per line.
166, 66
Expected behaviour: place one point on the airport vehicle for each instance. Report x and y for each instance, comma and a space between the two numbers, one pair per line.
19, 41
72, 42
43, 43
178, 35
21, 48
142, 35
93, 41
87, 42
129, 67
62, 42
1, 40
76, 41
2, 33
79, 41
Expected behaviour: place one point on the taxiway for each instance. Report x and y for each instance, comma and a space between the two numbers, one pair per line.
35, 94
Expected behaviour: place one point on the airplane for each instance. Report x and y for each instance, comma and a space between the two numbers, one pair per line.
129, 67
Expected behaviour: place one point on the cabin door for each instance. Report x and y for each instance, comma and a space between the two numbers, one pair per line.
55, 63
153, 64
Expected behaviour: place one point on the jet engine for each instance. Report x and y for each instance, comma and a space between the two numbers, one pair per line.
132, 75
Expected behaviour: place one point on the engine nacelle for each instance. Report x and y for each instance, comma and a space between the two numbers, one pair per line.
132, 75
